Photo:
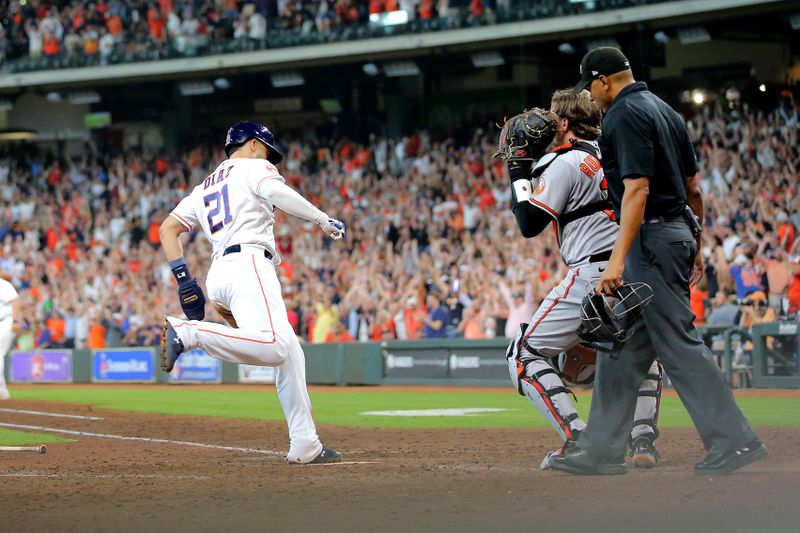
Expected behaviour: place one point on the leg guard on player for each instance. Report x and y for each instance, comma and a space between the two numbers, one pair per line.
644, 433
534, 377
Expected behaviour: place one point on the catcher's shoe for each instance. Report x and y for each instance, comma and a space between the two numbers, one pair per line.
327, 455
644, 453
171, 347
545, 465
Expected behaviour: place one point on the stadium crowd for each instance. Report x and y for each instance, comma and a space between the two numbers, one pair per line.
431, 247
85, 33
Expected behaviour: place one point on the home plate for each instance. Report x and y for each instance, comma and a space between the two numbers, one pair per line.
471, 411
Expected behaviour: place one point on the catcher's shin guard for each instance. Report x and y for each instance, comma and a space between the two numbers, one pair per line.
535, 378
647, 404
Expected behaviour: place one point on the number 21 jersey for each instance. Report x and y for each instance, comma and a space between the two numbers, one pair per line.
228, 207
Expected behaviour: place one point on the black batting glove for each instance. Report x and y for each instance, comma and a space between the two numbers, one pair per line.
190, 295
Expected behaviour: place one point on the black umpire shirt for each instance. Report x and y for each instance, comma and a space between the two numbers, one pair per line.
643, 136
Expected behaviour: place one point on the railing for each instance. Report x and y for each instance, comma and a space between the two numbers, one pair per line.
145, 49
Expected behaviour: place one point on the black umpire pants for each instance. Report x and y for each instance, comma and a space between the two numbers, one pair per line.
662, 256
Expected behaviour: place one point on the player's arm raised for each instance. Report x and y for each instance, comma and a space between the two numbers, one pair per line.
290, 201
524, 140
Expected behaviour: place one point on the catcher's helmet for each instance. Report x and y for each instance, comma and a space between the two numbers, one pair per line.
611, 318
242, 132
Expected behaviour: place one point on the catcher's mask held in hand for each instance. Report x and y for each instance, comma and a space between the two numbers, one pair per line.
611, 318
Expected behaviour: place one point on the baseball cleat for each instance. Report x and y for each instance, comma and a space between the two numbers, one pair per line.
171, 347
644, 453
4, 395
327, 455
545, 464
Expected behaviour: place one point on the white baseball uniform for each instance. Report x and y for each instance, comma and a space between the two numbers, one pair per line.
234, 206
570, 179
7, 295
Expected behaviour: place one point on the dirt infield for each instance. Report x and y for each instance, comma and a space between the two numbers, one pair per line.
403, 480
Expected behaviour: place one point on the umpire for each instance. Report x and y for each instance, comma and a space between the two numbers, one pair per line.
650, 166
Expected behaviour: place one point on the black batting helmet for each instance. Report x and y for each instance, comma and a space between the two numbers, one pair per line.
611, 318
243, 131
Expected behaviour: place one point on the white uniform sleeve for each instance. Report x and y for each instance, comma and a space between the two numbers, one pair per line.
184, 212
552, 190
288, 200
7, 292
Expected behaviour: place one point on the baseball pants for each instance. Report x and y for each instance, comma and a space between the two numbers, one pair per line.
662, 256
247, 284
6, 339
553, 329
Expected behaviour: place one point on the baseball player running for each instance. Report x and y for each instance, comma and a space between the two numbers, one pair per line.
569, 191
235, 208
9, 310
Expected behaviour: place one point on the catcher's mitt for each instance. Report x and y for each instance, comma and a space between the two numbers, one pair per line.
525, 137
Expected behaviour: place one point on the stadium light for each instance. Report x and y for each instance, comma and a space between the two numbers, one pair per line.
762, 88
287, 79
487, 59
794, 21
370, 69
733, 94
195, 88
566, 48
693, 35
398, 69
83, 97
17, 135
6, 104
661, 37
223, 84
390, 18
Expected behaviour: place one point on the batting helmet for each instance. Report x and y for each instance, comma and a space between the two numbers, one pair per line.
611, 318
243, 131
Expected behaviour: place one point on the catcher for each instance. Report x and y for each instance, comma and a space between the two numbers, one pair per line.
569, 191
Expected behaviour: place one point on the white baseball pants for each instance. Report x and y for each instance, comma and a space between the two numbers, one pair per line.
6, 338
246, 283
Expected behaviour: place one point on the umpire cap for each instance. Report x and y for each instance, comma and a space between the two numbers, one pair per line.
243, 131
612, 318
603, 61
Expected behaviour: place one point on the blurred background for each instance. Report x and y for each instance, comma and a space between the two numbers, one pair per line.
110, 111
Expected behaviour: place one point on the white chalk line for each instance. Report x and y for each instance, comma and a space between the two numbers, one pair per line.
98, 476
140, 439
45, 413
340, 463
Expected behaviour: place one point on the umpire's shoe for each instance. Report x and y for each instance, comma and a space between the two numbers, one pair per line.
644, 453
725, 463
171, 347
576, 461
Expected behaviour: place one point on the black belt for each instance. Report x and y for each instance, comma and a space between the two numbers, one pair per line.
599, 258
236, 248
662, 219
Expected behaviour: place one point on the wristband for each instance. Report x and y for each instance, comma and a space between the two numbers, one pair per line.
521, 190
180, 270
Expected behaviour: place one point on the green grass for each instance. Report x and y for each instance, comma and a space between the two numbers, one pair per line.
344, 407
9, 437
